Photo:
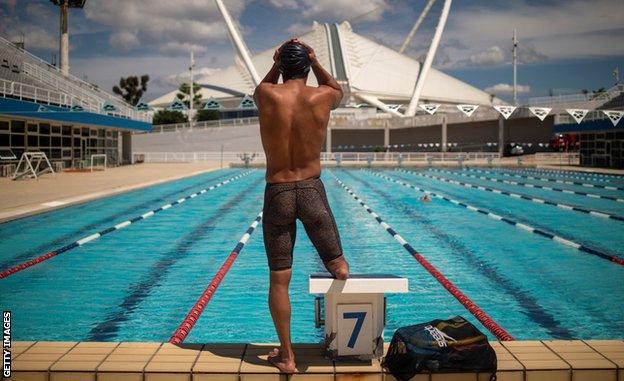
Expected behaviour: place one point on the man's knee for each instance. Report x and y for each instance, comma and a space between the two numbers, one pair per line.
338, 267
341, 273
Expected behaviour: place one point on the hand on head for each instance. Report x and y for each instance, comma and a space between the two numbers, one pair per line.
312, 54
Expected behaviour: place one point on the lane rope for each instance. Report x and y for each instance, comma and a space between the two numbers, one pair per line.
195, 312
519, 225
564, 174
548, 179
528, 185
471, 306
580, 173
591, 212
121, 225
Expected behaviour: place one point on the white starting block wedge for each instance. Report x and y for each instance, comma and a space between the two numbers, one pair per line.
355, 312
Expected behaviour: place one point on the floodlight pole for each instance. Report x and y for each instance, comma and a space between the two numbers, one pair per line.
515, 67
420, 81
412, 32
242, 50
64, 39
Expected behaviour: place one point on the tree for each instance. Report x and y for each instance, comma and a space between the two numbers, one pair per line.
131, 88
168, 117
203, 115
184, 94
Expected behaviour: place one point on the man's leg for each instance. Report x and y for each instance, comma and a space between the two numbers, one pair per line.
279, 304
319, 223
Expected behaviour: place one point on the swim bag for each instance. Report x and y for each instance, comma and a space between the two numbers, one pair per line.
439, 346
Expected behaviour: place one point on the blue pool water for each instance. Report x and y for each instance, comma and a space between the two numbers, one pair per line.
138, 283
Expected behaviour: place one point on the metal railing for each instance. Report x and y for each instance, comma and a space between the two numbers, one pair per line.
361, 157
69, 87
205, 124
560, 158
28, 92
592, 100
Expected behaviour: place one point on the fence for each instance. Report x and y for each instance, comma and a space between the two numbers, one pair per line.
558, 158
358, 157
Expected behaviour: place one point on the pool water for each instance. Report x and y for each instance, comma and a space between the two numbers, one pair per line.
138, 283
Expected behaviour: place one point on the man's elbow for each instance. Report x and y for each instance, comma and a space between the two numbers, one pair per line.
338, 98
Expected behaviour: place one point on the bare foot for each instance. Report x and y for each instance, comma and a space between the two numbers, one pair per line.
285, 366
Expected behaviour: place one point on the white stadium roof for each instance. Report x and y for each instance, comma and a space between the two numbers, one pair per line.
364, 67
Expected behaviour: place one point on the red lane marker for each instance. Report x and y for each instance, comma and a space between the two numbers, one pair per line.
193, 315
27, 264
191, 318
475, 310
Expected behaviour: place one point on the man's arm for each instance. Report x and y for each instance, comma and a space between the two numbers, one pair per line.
272, 76
323, 77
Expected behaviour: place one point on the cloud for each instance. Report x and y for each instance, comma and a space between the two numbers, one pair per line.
163, 24
37, 35
124, 40
9, 3
367, 10
181, 48
506, 89
553, 30
298, 29
178, 78
492, 56
288, 4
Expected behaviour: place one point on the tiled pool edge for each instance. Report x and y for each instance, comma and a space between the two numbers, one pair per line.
551, 360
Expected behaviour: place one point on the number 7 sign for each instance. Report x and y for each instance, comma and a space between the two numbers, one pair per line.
355, 334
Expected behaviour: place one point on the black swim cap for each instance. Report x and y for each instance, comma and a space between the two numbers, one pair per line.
294, 61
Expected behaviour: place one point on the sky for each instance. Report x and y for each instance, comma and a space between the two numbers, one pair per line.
565, 46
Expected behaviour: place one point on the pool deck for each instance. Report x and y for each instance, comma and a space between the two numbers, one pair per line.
588, 360
22, 198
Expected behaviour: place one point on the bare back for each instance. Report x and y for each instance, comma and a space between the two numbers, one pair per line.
293, 127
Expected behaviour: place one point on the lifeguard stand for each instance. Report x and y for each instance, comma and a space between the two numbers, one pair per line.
355, 312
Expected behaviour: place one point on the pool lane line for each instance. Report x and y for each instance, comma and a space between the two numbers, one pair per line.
580, 173
548, 179
519, 225
531, 306
591, 212
90, 226
529, 185
121, 225
195, 312
558, 174
108, 328
471, 306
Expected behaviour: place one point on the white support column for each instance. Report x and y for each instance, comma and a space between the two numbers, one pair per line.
64, 40
377, 103
386, 134
191, 92
501, 135
238, 42
420, 81
444, 133
328, 140
412, 32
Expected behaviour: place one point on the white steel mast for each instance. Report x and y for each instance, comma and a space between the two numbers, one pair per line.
419, 21
420, 81
239, 44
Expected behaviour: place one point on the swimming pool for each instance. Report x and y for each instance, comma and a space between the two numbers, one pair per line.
137, 282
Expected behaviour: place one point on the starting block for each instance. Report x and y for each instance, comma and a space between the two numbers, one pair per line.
355, 312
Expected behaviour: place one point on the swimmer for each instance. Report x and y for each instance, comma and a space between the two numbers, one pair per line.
425, 198
293, 125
